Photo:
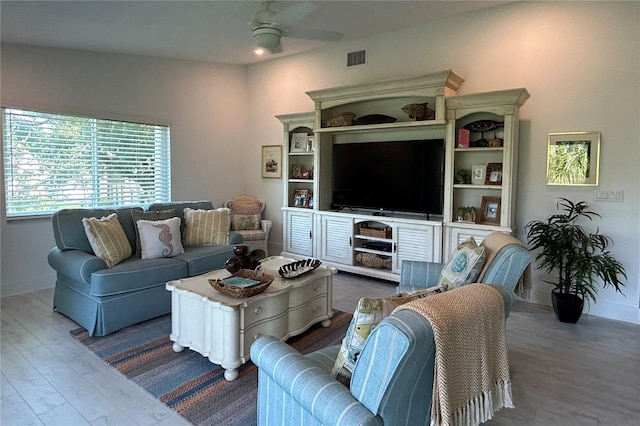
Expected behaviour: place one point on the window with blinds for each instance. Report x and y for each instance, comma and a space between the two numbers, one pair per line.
54, 161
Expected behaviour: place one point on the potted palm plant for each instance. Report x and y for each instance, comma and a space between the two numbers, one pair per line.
579, 258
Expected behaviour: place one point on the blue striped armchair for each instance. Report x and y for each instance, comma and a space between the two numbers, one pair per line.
392, 380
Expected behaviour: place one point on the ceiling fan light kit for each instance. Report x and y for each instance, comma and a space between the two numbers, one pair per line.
267, 37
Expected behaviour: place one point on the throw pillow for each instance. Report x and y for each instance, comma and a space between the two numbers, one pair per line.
464, 266
150, 215
245, 222
368, 313
206, 227
239, 207
160, 238
107, 239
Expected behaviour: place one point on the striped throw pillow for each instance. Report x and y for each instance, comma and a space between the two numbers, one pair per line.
107, 239
206, 227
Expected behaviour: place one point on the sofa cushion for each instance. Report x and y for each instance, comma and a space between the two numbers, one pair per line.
107, 239
69, 232
136, 274
464, 266
368, 313
150, 215
160, 238
205, 258
245, 222
204, 227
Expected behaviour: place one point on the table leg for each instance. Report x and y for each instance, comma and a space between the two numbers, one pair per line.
231, 374
177, 347
326, 323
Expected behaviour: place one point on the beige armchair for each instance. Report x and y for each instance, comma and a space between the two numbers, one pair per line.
246, 220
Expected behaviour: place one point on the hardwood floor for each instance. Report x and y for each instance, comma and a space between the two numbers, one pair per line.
582, 374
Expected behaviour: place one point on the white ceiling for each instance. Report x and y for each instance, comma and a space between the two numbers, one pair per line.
213, 31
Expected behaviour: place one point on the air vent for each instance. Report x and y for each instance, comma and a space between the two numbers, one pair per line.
356, 58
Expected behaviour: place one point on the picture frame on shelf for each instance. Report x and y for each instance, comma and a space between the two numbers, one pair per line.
272, 161
298, 142
490, 210
478, 174
311, 143
573, 158
296, 171
300, 197
494, 174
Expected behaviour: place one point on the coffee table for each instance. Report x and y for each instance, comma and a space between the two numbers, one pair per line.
223, 327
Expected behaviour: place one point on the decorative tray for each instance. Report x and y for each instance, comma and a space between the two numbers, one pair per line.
296, 269
244, 283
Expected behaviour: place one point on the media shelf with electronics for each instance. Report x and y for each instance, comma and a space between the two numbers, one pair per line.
385, 157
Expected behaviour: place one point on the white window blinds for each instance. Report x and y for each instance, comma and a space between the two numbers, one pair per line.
54, 161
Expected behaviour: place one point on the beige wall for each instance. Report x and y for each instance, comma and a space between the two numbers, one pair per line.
579, 60
205, 105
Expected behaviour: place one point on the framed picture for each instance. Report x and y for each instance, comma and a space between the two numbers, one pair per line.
478, 174
311, 143
573, 158
494, 174
490, 211
298, 142
301, 197
272, 161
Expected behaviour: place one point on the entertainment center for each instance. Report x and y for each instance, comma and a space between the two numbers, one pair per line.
380, 177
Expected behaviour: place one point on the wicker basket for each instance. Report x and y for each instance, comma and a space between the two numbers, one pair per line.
373, 260
265, 281
375, 232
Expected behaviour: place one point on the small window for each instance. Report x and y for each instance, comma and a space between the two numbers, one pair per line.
54, 161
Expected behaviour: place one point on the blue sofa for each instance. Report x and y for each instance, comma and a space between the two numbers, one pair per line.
103, 300
297, 389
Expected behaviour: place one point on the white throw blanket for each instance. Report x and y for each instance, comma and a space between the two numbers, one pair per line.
471, 375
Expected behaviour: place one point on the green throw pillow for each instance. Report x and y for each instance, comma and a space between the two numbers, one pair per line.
368, 313
464, 266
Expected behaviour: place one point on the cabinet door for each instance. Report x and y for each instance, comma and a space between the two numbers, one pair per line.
337, 239
299, 232
416, 243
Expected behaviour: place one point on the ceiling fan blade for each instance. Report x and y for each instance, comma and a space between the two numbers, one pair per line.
295, 13
311, 34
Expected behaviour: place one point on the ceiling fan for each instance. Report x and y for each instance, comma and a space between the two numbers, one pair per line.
268, 27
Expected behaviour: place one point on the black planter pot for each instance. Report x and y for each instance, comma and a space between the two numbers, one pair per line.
568, 307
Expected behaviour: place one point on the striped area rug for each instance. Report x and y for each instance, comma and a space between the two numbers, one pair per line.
187, 382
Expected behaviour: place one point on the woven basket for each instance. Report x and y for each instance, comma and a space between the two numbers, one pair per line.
375, 232
265, 281
373, 260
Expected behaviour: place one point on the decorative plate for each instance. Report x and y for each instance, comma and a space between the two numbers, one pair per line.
296, 269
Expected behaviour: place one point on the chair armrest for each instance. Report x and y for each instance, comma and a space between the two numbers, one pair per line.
75, 264
266, 227
418, 275
305, 385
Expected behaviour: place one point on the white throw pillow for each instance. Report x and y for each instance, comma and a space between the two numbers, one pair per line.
160, 238
464, 266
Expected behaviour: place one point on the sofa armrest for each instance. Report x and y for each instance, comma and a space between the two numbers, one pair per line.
295, 381
75, 264
235, 238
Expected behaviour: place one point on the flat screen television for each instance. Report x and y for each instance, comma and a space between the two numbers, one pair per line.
397, 176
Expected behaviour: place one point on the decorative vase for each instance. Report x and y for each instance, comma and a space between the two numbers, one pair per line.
567, 307
241, 260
